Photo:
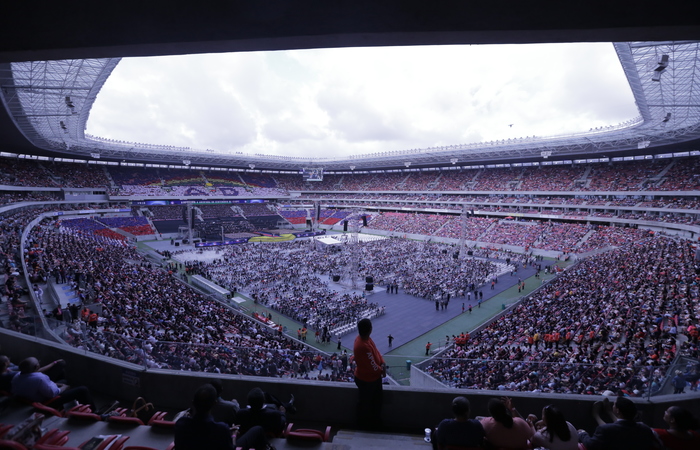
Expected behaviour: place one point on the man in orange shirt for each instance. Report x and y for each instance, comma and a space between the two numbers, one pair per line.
369, 371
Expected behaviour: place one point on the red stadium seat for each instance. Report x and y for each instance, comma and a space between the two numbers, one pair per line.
307, 434
126, 420
53, 437
158, 420
78, 412
118, 444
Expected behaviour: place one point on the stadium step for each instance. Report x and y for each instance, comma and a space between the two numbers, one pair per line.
377, 441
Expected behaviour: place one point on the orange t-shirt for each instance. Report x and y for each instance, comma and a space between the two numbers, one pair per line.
368, 359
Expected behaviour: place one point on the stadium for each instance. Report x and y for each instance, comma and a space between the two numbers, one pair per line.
166, 245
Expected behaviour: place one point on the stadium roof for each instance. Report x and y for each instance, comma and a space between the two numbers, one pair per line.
49, 101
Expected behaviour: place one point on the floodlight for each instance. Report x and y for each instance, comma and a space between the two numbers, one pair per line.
186, 162
660, 68
95, 155
407, 164
662, 64
453, 160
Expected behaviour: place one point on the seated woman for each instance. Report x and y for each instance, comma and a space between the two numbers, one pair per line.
503, 431
557, 434
680, 434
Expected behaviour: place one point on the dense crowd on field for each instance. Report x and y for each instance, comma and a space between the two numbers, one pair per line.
287, 276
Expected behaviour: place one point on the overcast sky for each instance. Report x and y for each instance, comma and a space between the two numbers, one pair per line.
338, 102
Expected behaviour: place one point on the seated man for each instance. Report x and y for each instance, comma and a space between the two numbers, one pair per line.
224, 410
272, 418
460, 431
34, 385
201, 432
623, 433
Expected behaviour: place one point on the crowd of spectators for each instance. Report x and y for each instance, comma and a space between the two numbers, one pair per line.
649, 176
124, 290
618, 427
476, 226
134, 176
624, 176
561, 237
420, 181
219, 178
79, 176
605, 237
426, 224
167, 212
217, 211
682, 176
149, 317
139, 190
10, 197
498, 179
284, 277
551, 178
611, 323
23, 172
523, 234
257, 209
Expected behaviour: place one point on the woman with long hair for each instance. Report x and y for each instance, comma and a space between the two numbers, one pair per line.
503, 431
557, 434
680, 434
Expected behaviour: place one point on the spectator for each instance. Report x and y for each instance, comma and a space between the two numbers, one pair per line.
460, 431
680, 434
504, 430
622, 434
270, 418
557, 434
36, 386
201, 431
369, 371
223, 410
679, 383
